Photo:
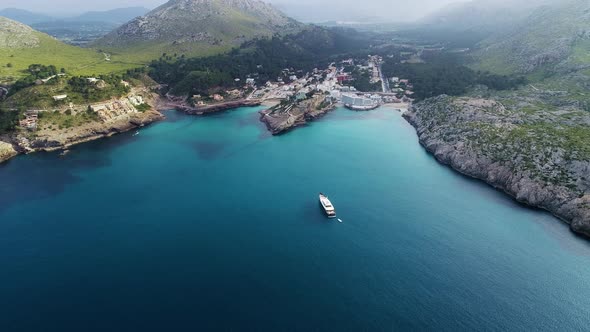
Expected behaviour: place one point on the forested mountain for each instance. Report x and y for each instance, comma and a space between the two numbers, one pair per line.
263, 59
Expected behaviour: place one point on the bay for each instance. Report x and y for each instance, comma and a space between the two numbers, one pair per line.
210, 223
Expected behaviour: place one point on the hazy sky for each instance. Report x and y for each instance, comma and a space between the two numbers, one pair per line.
308, 10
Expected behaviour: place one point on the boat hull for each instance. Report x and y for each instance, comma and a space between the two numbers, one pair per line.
328, 210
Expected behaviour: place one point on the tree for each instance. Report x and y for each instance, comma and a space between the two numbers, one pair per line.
9, 65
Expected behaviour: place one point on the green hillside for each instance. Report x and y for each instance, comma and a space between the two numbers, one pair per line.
21, 46
195, 28
552, 39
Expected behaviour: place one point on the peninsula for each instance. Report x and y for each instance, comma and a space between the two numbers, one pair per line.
540, 159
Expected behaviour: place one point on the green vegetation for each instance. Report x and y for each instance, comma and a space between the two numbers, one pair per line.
75, 60
263, 59
79, 90
445, 75
550, 35
68, 119
203, 28
35, 72
141, 53
362, 80
143, 107
8, 120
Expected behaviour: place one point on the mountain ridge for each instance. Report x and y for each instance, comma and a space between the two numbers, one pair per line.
24, 16
192, 27
553, 38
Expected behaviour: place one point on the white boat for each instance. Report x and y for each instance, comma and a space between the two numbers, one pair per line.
327, 206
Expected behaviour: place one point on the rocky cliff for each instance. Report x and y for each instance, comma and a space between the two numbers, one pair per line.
541, 157
55, 130
288, 115
7, 151
63, 139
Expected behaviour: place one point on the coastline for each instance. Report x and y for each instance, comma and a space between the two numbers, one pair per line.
20, 142
279, 121
556, 199
180, 104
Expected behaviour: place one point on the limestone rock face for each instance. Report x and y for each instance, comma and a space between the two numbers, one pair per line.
215, 22
540, 164
17, 35
7, 151
282, 118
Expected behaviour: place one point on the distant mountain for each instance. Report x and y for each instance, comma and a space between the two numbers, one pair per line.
77, 30
117, 16
196, 27
482, 16
24, 16
552, 38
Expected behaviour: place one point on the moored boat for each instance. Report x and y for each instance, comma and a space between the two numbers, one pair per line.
327, 206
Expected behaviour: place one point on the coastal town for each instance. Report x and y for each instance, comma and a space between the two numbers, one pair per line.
296, 98
293, 99
334, 81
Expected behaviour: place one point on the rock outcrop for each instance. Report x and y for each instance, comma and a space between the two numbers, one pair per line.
286, 116
210, 22
7, 151
219, 107
17, 35
63, 139
542, 160
111, 117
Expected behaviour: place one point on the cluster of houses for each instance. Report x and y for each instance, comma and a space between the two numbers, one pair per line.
30, 120
199, 100
113, 109
334, 82
402, 87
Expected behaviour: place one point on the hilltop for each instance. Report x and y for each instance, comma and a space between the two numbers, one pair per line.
196, 27
21, 46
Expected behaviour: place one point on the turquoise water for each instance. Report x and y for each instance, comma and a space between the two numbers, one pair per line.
212, 224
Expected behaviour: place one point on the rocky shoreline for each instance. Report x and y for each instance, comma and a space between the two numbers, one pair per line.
24, 142
478, 138
180, 104
283, 118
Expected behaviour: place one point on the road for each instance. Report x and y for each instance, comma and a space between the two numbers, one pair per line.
384, 80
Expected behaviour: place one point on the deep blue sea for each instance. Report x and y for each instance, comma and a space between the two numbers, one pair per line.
210, 223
